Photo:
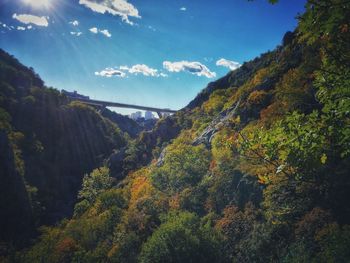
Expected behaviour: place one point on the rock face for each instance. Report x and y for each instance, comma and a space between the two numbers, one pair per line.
218, 122
161, 158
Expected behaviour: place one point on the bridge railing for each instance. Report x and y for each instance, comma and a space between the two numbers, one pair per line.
121, 105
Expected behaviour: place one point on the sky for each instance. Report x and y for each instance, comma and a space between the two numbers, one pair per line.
158, 53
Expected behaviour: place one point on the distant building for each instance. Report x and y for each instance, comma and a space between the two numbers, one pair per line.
74, 95
136, 115
149, 115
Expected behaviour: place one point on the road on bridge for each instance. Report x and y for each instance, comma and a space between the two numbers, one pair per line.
101, 103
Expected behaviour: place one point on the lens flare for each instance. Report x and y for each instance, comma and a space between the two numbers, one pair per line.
39, 4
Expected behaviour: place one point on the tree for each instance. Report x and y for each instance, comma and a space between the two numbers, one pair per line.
184, 166
181, 239
94, 184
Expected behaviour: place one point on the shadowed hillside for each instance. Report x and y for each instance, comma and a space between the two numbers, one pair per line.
48, 144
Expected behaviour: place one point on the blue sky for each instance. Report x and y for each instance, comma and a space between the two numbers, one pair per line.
158, 53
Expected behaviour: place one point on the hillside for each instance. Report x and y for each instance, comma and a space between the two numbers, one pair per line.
287, 56
254, 169
48, 144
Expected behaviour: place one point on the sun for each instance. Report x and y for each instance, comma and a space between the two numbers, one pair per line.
39, 4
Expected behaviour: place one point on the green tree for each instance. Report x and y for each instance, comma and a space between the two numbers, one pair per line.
94, 184
184, 166
181, 239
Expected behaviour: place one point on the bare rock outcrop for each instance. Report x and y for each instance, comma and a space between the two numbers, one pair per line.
218, 122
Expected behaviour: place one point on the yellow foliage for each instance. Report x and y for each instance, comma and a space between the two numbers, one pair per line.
65, 248
222, 145
260, 76
257, 97
174, 202
141, 186
273, 112
218, 100
214, 104
113, 251
251, 84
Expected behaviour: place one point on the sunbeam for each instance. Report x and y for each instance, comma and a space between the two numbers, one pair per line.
39, 4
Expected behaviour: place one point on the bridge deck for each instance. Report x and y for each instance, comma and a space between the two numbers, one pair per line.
121, 105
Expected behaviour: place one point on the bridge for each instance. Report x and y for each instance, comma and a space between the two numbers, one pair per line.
103, 104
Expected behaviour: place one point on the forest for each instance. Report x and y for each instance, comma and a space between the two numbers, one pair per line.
255, 169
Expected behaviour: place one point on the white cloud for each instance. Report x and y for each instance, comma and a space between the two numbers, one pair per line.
183, 8
141, 69
76, 33
21, 28
193, 67
74, 23
93, 30
31, 19
115, 7
111, 72
104, 32
232, 65
137, 69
